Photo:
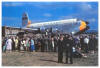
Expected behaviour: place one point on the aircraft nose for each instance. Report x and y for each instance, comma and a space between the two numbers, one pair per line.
84, 26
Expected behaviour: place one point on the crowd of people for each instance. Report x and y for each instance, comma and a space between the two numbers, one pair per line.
71, 45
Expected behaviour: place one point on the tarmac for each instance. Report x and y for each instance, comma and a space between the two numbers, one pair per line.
44, 59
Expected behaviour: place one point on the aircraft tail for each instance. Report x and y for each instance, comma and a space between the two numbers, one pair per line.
25, 20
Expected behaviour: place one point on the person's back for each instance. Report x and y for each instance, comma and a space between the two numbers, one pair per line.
24, 43
81, 40
9, 44
42, 44
66, 43
27, 43
32, 47
46, 40
47, 47
68, 49
82, 43
16, 43
60, 45
60, 50
86, 40
13, 45
9, 41
86, 46
32, 42
19, 44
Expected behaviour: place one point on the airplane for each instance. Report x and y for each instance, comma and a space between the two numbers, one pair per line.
67, 26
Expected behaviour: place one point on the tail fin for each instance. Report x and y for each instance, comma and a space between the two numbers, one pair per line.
25, 20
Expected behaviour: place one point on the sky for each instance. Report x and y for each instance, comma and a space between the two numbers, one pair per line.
49, 11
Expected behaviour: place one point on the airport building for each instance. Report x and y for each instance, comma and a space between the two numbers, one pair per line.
10, 31
14, 31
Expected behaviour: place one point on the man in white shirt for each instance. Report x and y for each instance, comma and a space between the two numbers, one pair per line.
86, 41
53, 44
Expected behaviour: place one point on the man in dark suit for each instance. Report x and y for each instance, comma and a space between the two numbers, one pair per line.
60, 49
46, 47
82, 42
53, 44
42, 44
68, 48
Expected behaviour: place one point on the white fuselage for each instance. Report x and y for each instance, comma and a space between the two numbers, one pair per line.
69, 25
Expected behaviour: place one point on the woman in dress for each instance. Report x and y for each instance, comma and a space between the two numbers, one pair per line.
27, 44
32, 47
22, 45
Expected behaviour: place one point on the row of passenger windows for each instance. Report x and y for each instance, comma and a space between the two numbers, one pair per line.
63, 23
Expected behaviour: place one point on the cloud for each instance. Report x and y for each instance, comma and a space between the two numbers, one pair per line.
52, 5
83, 10
47, 15
12, 4
87, 9
11, 21
85, 6
40, 20
91, 20
10, 18
66, 17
